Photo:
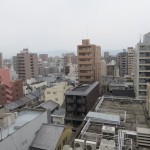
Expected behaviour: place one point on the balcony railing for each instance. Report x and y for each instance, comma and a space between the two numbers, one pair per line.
80, 101
82, 109
69, 108
69, 100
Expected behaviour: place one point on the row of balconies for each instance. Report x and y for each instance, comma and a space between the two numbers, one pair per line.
79, 101
79, 109
144, 48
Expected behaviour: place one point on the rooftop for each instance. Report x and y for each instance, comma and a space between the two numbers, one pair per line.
59, 112
83, 89
121, 115
23, 118
48, 137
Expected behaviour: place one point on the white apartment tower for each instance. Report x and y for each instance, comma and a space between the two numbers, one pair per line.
142, 67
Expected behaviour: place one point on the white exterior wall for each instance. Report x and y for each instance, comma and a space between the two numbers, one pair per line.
141, 92
103, 68
58, 119
23, 137
34, 87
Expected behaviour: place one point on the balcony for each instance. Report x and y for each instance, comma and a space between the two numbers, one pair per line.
85, 62
81, 101
145, 48
82, 109
144, 68
85, 56
85, 68
85, 50
69, 108
142, 88
85, 79
146, 56
86, 74
69, 100
144, 75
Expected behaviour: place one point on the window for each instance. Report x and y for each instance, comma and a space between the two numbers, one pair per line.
54, 92
48, 92
56, 99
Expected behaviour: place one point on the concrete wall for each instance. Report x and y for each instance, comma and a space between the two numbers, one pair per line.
23, 137
57, 93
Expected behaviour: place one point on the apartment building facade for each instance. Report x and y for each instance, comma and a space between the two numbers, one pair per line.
142, 67
131, 62
1, 61
2, 94
27, 65
89, 62
122, 62
79, 102
12, 89
44, 57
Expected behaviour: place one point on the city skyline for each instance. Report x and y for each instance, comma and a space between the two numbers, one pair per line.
58, 26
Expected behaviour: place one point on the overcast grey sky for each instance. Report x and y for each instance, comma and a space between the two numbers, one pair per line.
49, 26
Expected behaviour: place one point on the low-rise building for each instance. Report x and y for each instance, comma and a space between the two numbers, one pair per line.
114, 124
79, 101
51, 137
57, 92
58, 117
29, 88
21, 129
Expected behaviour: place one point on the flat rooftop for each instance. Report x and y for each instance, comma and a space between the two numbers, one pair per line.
83, 89
135, 116
136, 121
23, 118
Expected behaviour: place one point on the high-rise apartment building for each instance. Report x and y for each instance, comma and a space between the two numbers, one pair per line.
1, 61
131, 58
27, 65
69, 56
89, 62
106, 54
122, 62
107, 57
44, 57
142, 67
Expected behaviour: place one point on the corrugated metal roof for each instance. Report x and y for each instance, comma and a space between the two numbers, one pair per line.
48, 137
49, 105
31, 97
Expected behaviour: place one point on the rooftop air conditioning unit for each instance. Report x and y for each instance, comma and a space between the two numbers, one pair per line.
111, 143
79, 143
108, 129
90, 145
67, 147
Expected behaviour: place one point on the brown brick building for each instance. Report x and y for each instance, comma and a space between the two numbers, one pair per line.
2, 94
27, 65
89, 61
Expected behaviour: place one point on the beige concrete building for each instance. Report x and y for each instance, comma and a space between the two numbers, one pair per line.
57, 92
89, 62
131, 57
27, 65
